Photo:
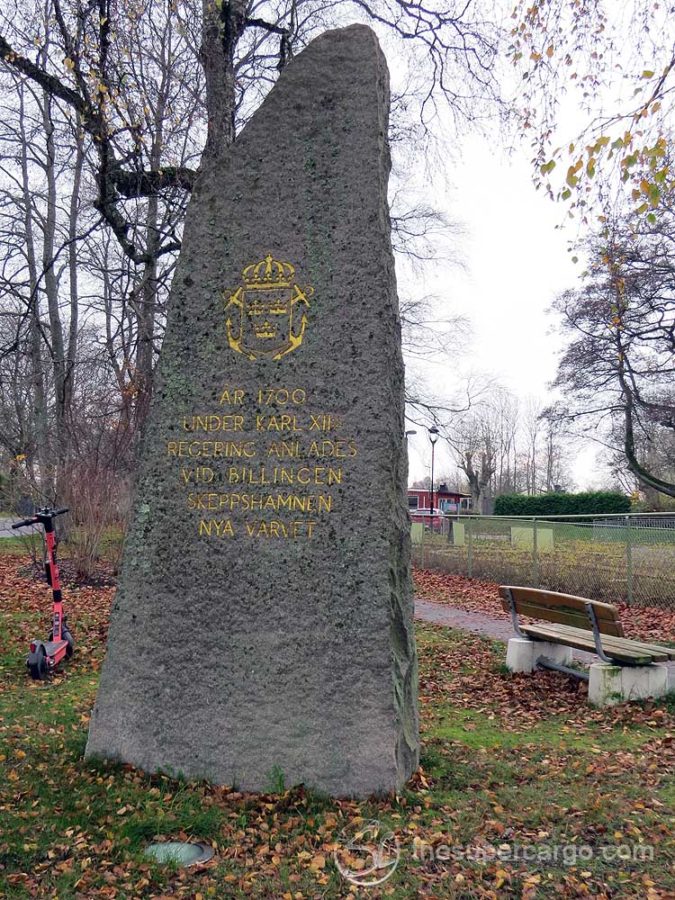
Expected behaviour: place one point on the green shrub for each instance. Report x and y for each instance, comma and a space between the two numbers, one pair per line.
587, 503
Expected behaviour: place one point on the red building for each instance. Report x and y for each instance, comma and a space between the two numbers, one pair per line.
446, 503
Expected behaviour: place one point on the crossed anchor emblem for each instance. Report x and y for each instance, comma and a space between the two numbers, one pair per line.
267, 313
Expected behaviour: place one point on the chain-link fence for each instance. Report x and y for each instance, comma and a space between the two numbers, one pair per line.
628, 558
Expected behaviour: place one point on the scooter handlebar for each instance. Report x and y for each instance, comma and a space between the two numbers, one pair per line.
41, 516
24, 522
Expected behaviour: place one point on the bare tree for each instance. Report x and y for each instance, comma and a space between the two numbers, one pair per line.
111, 106
476, 456
655, 449
617, 371
500, 451
241, 46
60, 268
476, 442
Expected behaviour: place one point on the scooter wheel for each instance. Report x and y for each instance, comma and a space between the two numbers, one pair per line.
37, 664
67, 636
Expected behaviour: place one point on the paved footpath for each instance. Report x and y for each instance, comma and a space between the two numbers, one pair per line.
440, 614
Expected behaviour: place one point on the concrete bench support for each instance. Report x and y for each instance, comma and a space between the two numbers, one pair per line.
609, 684
522, 654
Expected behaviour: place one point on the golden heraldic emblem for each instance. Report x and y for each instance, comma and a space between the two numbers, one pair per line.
266, 315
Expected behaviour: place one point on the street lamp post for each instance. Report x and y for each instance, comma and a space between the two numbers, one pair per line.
433, 437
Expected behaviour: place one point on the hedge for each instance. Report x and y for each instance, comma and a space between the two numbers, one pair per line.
588, 503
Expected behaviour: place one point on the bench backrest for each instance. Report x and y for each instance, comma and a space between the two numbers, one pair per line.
564, 609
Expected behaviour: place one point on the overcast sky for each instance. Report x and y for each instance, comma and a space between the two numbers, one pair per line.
515, 262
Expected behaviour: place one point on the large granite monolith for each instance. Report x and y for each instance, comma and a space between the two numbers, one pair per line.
262, 628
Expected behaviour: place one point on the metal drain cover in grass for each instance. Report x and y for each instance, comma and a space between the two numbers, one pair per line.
182, 853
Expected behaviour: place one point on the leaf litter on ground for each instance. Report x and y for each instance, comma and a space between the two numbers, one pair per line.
507, 762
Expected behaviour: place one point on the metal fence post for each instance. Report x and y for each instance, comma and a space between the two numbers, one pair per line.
425, 544
535, 555
629, 563
469, 548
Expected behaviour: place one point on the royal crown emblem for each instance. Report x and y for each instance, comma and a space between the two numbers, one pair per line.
266, 314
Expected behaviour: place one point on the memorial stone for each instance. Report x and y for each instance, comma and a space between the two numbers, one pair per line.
262, 628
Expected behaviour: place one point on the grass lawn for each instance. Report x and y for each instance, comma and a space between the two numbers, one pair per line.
524, 791
12, 546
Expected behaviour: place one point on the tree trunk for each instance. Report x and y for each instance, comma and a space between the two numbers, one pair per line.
52, 291
223, 25
72, 352
43, 470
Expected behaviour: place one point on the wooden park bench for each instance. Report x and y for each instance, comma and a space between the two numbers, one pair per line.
628, 669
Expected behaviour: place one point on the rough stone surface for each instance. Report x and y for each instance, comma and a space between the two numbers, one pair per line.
251, 644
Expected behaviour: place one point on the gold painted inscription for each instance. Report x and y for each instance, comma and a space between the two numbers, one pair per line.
277, 423
211, 449
213, 423
264, 475
279, 479
277, 529
231, 396
213, 501
216, 527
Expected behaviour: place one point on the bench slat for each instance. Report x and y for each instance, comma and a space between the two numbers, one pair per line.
564, 609
579, 642
664, 653
553, 598
562, 616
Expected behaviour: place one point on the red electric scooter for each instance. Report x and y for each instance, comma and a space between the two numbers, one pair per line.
44, 656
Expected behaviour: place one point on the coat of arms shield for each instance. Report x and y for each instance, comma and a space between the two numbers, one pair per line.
266, 314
